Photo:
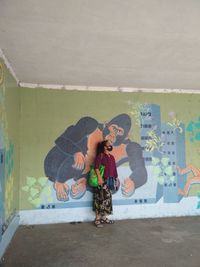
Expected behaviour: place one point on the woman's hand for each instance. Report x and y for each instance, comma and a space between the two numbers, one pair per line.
100, 180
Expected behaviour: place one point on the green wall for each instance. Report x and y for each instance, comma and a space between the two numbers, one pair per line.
9, 142
45, 114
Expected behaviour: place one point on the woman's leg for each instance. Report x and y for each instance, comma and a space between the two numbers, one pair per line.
97, 207
108, 207
98, 221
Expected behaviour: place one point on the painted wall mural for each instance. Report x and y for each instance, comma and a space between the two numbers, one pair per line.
162, 145
7, 149
156, 140
75, 151
152, 166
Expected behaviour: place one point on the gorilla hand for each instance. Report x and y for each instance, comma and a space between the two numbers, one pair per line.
79, 161
62, 191
128, 187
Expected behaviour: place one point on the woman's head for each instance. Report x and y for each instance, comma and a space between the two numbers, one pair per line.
104, 146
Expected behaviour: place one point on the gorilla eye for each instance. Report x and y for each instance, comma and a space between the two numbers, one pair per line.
115, 129
120, 131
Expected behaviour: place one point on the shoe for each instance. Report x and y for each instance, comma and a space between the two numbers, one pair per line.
98, 223
107, 221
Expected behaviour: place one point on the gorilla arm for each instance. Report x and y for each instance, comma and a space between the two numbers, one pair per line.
74, 139
136, 163
138, 177
73, 142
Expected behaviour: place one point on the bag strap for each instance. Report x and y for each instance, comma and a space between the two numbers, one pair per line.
101, 157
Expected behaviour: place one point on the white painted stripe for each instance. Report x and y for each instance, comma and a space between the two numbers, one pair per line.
187, 207
109, 89
159, 90
8, 235
49, 216
94, 88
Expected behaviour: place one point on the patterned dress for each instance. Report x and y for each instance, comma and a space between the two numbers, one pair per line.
102, 194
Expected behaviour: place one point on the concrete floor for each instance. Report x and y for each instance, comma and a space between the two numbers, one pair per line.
165, 242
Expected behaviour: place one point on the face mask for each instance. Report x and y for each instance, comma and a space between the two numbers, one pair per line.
109, 148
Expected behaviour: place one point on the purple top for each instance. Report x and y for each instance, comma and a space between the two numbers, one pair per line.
109, 162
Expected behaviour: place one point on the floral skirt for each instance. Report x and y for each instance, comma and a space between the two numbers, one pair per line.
103, 200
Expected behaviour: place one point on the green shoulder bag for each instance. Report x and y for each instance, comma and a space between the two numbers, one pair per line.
93, 179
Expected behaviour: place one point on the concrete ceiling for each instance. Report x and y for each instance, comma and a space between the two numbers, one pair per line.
129, 43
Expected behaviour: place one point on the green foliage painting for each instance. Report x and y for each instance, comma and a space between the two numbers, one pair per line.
162, 171
35, 188
135, 111
175, 123
154, 142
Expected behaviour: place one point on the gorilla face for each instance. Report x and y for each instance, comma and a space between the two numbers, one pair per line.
114, 131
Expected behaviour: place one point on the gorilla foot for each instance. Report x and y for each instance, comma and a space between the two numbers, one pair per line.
62, 191
78, 189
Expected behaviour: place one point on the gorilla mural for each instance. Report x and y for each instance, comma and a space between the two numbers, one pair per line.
75, 151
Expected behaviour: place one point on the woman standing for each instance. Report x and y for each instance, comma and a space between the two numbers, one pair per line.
103, 194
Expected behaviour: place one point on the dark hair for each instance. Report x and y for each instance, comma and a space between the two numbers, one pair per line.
100, 146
